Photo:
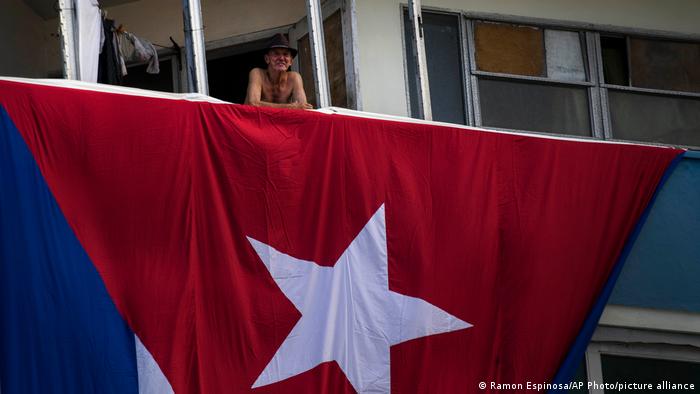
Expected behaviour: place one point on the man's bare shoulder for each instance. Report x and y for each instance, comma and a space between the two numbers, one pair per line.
294, 75
257, 72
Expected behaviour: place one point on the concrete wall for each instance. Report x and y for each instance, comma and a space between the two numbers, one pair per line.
380, 35
156, 20
30, 46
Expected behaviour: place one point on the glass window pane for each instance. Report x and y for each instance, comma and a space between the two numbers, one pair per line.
614, 50
647, 370
654, 118
509, 49
444, 57
665, 65
536, 107
564, 55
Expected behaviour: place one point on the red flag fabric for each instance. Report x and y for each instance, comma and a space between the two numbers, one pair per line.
513, 234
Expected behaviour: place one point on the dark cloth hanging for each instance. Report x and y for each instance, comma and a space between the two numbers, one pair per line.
109, 70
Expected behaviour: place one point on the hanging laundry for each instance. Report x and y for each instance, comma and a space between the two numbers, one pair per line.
109, 70
139, 50
90, 38
118, 37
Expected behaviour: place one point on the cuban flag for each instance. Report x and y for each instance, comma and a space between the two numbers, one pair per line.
157, 244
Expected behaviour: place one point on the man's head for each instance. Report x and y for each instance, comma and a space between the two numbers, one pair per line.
279, 54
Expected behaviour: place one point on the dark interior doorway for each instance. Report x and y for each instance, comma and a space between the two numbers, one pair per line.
137, 77
228, 68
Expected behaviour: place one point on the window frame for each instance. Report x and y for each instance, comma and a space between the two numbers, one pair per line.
598, 100
467, 87
595, 116
605, 88
642, 333
655, 351
348, 22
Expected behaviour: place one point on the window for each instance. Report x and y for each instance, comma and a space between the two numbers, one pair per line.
663, 366
654, 118
531, 78
556, 79
444, 54
653, 64
534, 106
644, 346
335, 61
648, 370
652, 88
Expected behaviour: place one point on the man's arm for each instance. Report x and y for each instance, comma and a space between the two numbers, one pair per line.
254, 93
298, 94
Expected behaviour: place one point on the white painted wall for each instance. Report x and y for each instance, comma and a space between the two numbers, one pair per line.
381, 57
380, 36
30, 46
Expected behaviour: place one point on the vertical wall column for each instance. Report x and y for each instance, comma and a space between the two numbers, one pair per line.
414, 14
66, 15
314, 17
195, 51
351, 53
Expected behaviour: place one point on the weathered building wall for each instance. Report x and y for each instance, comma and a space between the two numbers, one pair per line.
30, 46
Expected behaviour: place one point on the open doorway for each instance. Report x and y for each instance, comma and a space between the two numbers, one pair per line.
167, 80
228, 68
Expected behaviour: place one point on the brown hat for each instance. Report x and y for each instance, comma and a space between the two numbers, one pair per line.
280, 41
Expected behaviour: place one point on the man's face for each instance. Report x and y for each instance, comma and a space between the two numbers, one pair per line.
278, 59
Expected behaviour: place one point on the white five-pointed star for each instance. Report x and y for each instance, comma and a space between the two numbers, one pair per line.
348, 312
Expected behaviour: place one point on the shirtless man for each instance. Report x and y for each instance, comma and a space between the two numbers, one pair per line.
275, 86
